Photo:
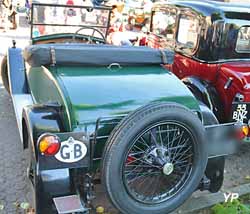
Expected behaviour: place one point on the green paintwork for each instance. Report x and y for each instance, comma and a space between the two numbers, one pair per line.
89, 93
92, 92
99, 92
45, 89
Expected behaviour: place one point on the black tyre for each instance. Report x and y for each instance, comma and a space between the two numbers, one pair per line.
154, 159
4, 74
37, 198
31, 175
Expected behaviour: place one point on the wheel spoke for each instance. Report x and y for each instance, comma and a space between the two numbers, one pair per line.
177, 151
144, 175
180, 138
153, 137
144, 166
139, 148
173, 140
136, 153
159, 131
182, 154
143, 142
143, 161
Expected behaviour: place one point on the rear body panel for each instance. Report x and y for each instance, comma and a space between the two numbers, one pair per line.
90, 93
95, 99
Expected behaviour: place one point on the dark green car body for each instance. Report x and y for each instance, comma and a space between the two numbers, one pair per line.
90, 94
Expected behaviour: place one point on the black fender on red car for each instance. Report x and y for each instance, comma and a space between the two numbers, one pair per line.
207, 94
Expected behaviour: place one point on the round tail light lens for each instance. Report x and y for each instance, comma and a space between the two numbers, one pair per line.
49, 144
243, 132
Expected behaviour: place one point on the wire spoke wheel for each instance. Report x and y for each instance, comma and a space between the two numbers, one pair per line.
154, 159
159, 162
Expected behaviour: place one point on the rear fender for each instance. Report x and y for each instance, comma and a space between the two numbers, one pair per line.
207, 94
208, 117
38, 119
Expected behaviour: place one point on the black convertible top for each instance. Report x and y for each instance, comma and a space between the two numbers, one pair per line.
94, 55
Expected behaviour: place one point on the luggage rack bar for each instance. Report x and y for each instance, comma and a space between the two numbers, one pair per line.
106, 120
101, 120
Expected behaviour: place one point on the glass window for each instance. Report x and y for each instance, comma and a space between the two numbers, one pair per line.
188, 32
163, 23
48, 19
243, 39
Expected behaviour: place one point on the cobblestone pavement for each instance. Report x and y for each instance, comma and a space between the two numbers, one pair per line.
13, 182
14, 186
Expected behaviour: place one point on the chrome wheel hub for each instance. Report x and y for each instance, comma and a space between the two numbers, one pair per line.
168, 168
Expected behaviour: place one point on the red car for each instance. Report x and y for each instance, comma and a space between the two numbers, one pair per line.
212, 45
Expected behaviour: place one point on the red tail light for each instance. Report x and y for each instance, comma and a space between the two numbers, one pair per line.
242, 131
48, 144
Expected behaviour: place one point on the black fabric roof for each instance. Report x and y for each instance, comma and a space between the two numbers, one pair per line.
94, 55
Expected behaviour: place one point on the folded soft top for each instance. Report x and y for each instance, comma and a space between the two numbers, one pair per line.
94, 55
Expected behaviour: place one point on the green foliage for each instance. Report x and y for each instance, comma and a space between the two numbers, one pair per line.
235, 207
1, 207
245, 199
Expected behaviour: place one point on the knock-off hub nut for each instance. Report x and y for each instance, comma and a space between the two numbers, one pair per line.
168, 168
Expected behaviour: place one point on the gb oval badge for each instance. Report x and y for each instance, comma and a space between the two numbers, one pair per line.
71, 151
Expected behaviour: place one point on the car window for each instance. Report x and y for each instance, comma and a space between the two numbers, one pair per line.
188, 32
243, 39
163, 23
56, 19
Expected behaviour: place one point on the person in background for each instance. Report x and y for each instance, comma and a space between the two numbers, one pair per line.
9, 14
12, 16
69, 2
116, 21
28, 7
72, 15
2, 17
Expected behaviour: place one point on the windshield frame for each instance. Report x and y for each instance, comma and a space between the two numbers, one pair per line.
32, 24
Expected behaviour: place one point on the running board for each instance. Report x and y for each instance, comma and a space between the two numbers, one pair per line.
69, 204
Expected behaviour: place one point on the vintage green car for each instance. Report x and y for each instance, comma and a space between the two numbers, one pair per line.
85, 110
